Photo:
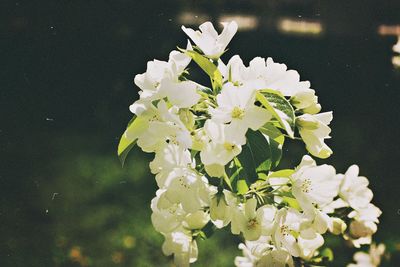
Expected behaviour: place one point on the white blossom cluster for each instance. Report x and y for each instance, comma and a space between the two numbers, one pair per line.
216, 150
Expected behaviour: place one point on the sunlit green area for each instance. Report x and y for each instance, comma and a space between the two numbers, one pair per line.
96, 213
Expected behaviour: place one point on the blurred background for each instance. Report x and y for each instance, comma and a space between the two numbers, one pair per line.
67, 81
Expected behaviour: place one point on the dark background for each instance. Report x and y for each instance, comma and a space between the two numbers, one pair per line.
67, 71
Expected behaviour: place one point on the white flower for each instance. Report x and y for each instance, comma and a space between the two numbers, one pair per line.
224, 143
143, 108
261, 252
371, 259
235, 71
208, 40
264, 74
149, 82
271, 75
253, 251
182, 245
168, 158
168, 217
314, 129
363, 225
354, 189
287, 228
196, 220
236, 106
314, 185
276, 258
322, 222
221, 208
181, 94
368, 213
160, 133
277, 77
309, 241
186, 187
293, 232
163, 126
161, 79
157, 70
261, 74
253, 222
179, 61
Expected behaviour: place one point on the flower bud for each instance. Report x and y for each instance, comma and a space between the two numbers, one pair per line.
196, 220
313, 109
338, 226
362, 228
218, 207
307, 123
306, 101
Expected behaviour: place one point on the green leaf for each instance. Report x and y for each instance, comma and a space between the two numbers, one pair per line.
276, 140
209, 67
241, 187
237, 177
292, 202
273, 132
281, 173
124, 153
234, 170
276, 152
280, 108
256, 155
128, 139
